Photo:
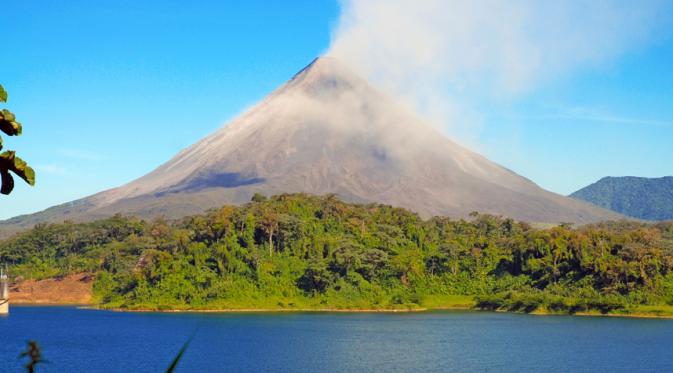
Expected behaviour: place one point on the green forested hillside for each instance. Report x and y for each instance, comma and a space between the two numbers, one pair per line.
300, 251
639, 197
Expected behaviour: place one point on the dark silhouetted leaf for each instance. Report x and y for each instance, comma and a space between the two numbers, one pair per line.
177, 358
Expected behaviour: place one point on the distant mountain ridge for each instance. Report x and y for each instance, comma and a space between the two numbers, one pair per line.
638, 197
327, 131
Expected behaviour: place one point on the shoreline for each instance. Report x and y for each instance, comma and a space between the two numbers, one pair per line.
273, 310
636, 315
252, 310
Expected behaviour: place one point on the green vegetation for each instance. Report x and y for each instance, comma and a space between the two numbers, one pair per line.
640, 197
8, 159
305, 252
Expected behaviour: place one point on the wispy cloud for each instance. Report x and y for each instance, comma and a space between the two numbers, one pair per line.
593, 115
52, 169
81, 154
618, 120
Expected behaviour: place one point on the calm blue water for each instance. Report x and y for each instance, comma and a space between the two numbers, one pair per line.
75, 340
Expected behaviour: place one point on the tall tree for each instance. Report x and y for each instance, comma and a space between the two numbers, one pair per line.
8, 159
269, 223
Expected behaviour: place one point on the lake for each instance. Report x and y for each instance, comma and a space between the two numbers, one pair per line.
75, 340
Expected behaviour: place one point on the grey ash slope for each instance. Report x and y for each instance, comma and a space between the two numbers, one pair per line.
327, 131
639, 197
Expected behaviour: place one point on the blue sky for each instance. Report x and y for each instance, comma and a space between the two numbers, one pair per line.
109, 90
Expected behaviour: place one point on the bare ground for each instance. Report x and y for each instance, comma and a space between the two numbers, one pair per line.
72, 289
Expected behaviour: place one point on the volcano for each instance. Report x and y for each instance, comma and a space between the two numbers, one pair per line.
327, 131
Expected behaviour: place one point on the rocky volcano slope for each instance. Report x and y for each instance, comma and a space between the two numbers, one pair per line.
328, 131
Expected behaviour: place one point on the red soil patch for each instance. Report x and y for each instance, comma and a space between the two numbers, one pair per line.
73, 289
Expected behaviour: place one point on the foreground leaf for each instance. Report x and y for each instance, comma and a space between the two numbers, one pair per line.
10, 162
8, 123
177, 358
7, 182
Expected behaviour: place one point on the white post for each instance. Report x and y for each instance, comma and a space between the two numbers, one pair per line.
4, 292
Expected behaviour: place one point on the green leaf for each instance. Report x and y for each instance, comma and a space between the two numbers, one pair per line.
8, 123
24, 171
8, 115
10, 162
30, 175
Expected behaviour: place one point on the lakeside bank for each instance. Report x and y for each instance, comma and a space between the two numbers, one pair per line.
77, 290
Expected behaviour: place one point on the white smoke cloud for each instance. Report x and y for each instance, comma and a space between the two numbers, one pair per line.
444, 57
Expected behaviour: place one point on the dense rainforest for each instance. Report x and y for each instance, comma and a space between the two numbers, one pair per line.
304, 252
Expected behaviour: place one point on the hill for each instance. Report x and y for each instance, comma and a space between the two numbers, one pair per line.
639, 197
306, 252
327, 131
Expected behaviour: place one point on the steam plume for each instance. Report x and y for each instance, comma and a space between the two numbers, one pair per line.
443, 56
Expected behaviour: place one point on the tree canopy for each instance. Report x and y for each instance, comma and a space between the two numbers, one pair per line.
302, 251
